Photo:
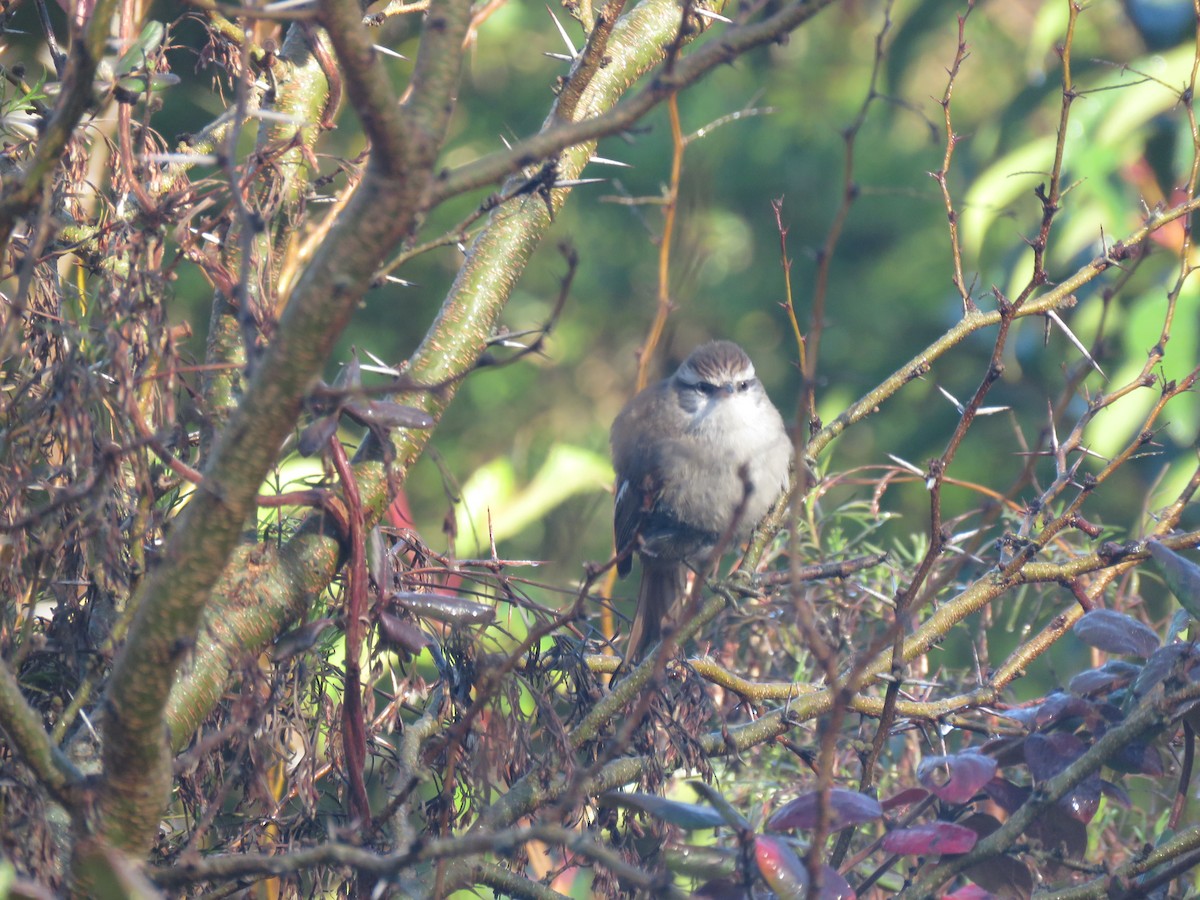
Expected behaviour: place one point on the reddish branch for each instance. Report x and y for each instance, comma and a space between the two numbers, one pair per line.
354, 734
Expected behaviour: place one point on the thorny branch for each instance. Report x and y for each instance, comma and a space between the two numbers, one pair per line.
113, 541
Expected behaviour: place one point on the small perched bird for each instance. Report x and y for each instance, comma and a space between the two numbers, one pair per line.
697, 454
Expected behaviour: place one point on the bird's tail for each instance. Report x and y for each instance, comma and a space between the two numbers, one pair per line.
663, 587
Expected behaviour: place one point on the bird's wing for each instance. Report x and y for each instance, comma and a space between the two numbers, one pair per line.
627, 517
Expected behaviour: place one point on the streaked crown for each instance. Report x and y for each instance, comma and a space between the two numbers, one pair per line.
716, 363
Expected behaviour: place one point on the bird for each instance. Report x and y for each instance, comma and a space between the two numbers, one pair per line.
698, 454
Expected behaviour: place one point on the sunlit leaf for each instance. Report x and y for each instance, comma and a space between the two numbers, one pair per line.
145, 45
445, 608
781, 868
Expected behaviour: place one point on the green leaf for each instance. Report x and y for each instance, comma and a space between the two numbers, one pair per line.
136, 84
140, 50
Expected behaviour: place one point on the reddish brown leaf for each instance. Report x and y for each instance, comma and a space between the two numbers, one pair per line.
930, 839
906, 797
1005, 794
401, 634
781, 868
845, 808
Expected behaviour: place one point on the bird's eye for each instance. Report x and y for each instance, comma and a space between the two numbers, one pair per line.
744, 385
705, 388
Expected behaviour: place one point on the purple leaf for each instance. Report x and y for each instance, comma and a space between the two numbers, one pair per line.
1162, 663
1115, 632
1082, 802
906, 797
1023, 715
1007, 751
722, 889
1048, 754
1137, 758
1115, 673
1181, 575
401, 634
387, 414
1005, 794
314, 438
1057, 828
351, 374
845, 808
834, 886
1004, 877
957, 778
1116, 794
982, 824
933, 838
298, 640
688, 816
1059, 706
970, 892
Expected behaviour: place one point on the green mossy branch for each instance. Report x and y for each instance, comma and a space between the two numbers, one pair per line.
380, 213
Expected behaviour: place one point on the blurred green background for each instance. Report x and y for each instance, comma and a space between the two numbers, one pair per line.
530, 440
890, 289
